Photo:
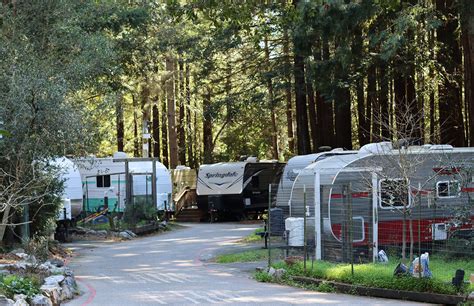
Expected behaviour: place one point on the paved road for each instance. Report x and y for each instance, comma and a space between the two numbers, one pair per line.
171, 269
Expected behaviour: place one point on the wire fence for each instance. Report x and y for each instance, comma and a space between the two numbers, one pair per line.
357, 224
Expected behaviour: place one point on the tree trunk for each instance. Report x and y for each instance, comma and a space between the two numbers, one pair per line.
343, 118
156, 128
182, 117
374, 115
325, 108
400, 103
450, 102
384, 102
190, 137
145, 106
312, 115
271, 104
170, 94
207, 128
119, 120
164, 129
136, 141
432, 91
289, 104
357, 49
5, 217
303, 141
467, 26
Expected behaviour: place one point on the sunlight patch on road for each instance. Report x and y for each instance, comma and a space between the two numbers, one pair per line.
126, 255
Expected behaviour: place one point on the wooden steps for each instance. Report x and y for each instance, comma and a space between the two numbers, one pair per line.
190, 215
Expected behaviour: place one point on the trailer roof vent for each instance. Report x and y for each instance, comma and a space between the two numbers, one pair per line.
337, 150
443, 147
376, 148
252, 159
118, 155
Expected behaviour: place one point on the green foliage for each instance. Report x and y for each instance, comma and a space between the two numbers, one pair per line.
141, 209
381, 275
246, 256
13, 284
254, 237
263, 277
325, 287
38, 246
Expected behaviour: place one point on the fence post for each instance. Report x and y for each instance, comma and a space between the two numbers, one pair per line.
317, 214
351, 228
304, 229
269, 226
375, 226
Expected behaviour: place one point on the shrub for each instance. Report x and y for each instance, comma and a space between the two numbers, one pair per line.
263, 277
13, 284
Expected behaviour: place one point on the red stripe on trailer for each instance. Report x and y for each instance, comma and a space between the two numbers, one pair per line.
446, 171
467, 189
391, 232
336, 196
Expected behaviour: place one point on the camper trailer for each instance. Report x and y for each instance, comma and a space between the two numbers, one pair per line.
293, 167
236, 189
72, 195
363, 199
104, 183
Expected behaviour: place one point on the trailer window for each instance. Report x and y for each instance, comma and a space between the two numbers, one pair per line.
255, 181
394, 193
103, 181
448, 189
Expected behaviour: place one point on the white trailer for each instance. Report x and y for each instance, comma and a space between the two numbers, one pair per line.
105, 181
72, 195
293, 167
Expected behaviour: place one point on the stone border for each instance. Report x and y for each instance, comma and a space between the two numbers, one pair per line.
386, 293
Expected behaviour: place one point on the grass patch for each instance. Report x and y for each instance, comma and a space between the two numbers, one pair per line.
254, 237
247, 256
381, 275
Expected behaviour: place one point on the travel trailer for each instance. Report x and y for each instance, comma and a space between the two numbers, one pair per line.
104, 183
372, 193
236, 189
72, 195
293, 167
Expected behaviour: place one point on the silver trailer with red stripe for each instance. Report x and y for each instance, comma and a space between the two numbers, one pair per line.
383, 196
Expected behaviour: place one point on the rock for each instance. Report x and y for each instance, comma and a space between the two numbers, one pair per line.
66, 293
54, 280
279, 273
471, 296
131, 233
4, 301
70, 282
271, 271
32, 259
21, 302
163, 224
20, 250
56, 270
41, 300
101, 233
259, 269
91, 232
125, 235
17, 297
53, 292
4, 272
22, 255
56, 262
68, 272
21, 265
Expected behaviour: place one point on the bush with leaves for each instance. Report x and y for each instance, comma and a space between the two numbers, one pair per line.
13, 284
